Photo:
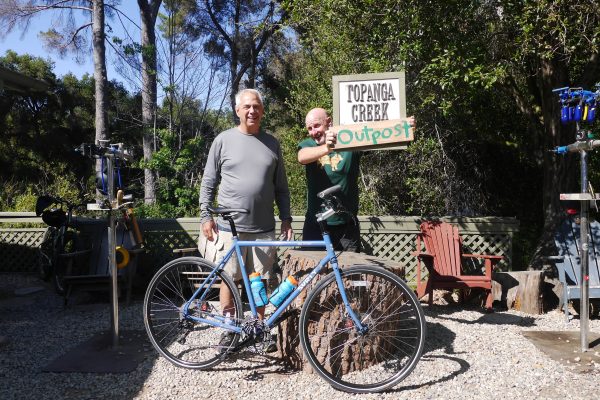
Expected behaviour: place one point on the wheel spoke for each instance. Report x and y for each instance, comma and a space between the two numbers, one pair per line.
379, 357
183, 341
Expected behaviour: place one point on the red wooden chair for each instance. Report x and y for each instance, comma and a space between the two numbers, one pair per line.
444, 261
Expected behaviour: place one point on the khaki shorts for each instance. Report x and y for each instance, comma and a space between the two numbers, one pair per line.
259, 259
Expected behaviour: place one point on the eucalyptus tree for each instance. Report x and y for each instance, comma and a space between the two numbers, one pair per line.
149, 12
188, 74
237, 31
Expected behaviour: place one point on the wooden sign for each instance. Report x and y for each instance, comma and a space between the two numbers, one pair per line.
373, 135
368, 97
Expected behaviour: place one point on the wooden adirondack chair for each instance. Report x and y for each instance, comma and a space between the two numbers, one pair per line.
444, 261
568, 261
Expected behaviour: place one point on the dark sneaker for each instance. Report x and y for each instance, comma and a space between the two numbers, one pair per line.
225, 341
271, 347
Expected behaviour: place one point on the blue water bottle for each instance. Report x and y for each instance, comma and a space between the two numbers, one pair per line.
283, 291
259, 292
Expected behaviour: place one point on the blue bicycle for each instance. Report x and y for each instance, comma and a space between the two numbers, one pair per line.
361, 328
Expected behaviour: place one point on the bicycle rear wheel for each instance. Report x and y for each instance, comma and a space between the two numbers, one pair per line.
181, 340
45, 253
377, 359
63, 266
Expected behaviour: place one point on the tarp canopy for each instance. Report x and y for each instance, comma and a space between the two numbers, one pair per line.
11, 80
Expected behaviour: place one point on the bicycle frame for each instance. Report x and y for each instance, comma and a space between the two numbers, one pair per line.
270, 322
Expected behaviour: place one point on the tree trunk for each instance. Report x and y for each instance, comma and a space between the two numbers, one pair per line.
520, 290
148, 12
100, 75
560, 172
233, 63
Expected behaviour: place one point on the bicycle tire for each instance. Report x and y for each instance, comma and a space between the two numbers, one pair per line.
62, 266
45, 254
391, 347
184, 342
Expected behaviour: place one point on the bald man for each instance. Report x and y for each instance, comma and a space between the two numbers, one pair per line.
325, 168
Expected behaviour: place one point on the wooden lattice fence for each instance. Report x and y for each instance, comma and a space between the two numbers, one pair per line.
387, 237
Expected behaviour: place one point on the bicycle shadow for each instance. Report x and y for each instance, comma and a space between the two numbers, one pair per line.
259, 365
438, 338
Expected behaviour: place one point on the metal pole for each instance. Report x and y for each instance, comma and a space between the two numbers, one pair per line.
112, 257
584, 285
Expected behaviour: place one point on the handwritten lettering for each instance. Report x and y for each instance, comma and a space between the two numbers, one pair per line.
371, 136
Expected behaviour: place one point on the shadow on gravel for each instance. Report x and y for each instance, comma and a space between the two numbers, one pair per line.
439, 337
39, 329
492, 318
463, 366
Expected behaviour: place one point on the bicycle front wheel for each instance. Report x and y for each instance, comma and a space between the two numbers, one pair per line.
370, 361
183, 341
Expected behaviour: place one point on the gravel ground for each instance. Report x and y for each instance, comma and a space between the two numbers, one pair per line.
469, 355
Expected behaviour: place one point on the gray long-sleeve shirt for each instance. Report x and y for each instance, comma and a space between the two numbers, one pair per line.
249, 173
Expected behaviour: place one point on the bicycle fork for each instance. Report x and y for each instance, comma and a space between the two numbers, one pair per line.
361, 328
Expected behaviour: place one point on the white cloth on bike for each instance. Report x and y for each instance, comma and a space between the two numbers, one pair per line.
259, 259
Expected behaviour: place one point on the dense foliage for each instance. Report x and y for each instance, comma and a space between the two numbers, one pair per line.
479, 80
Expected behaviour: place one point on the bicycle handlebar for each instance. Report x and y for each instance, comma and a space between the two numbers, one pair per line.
114, 149
329, 191
332, 205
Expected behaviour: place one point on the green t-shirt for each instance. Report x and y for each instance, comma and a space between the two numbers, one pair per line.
336, 168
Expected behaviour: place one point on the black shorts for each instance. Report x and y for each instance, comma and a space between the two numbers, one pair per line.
344, 237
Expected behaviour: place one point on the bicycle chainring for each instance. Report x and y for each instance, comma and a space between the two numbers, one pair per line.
257, 334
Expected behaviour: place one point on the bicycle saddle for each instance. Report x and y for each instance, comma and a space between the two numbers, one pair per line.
225, 211
42, 203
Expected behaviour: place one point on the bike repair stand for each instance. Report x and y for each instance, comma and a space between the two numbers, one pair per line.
111, 206
115, 352
579, 105
583, 144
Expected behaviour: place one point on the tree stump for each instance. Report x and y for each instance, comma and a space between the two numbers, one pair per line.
301, 263
519, 290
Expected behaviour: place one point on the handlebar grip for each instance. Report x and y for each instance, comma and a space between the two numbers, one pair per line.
577, 146
561, 150
136, 228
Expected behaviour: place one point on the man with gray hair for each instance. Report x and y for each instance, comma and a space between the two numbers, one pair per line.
246, 165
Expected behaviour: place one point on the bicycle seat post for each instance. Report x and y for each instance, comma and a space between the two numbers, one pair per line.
229, 217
